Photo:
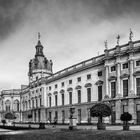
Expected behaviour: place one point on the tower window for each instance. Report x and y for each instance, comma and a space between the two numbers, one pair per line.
99, 73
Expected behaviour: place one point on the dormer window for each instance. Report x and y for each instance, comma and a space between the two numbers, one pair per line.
113, 68
138, 63
125, 66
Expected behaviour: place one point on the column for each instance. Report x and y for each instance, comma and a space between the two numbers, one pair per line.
131, 110
131, 79
118, 80
106, 80
118, 111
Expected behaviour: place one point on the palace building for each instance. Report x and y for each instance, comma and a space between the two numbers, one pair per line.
112, 77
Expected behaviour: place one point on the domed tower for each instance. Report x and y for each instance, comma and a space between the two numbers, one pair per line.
39, 66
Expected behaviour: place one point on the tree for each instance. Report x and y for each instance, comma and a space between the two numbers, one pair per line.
4, 122
100, 110
125, 117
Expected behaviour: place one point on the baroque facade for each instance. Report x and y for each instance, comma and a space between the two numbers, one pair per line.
112, 77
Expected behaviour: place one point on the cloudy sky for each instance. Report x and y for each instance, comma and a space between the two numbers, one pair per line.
71, 31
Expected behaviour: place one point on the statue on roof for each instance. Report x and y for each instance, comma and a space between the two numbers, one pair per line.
130, 35
118, 39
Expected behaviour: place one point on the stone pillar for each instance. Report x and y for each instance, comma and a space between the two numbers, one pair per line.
42, 96
131, 80
106, 80
43, 115
118, 111
118, 80
131, 110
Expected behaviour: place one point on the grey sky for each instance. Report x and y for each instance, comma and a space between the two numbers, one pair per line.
71, 31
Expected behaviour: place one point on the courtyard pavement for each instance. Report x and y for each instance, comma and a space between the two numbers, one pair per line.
81, 133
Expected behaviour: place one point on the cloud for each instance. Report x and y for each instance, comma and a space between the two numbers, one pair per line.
11, 16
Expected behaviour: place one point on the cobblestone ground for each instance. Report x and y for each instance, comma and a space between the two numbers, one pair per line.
82, 133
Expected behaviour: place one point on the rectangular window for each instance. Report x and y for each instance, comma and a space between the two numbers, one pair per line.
79, 79
56, 115
138, 63
63, 116
113, 89
138, 86
33, 103
125, 66
70, 97
79, 115
50, 116
62, 84
88, 76
125, 88
99, 73
88, 94
99, 93
56, 86
70, 81
55, 100
113, 68
79, 96
49, 87
36, 103
50, 102
62, 99
40, 102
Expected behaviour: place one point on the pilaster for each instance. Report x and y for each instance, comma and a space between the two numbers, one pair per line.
118, 111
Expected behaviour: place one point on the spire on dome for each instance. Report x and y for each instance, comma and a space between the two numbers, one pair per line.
39, 47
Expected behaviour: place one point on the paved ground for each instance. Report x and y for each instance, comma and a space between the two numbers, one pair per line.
61, 132
65, 134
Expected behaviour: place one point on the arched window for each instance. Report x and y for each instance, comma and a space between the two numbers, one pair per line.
7, 105
16, 105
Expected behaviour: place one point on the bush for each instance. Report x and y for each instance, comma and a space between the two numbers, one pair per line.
125, 117
4, 122
100, 110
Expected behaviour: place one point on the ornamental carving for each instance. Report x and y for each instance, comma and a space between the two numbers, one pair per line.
137, 73
88, 85
55, 92
99, 82
62, 91
69, 89
125, 75
78, 87
49, 94
112, 78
